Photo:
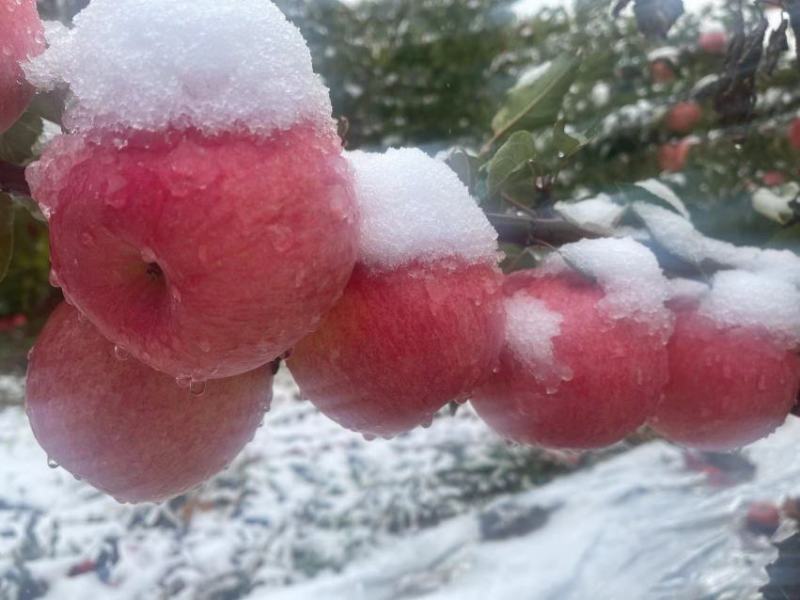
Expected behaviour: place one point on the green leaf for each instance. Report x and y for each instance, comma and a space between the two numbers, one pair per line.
568, 145
16, 144
537, 104
6, 233
464, 165
513, 156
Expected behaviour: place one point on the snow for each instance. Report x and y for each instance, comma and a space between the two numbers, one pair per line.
598, 214
415, 208
742, 299
629, 274
680, 237
687, 291
530, 330
312, 511
208, 64
638, 526
777, 207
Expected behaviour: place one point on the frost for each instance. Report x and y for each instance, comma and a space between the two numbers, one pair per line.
530, 330
742, 299
629, 274
215, 65
415, 208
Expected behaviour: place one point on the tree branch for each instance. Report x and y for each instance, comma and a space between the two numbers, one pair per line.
12, 179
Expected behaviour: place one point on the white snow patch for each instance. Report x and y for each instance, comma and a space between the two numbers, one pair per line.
777, 207
530, 329
742, 299
415, 208
680, 237
629, 274
215, 65
599, 214
665, 193
687, 291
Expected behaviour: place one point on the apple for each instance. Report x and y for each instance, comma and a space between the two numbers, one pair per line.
570, 375
763, 518
203, 257
128, 430
728, 386
794, 134
773, 178
400, 345
684, 117
21, 37
420, 322
713, 42
662, 71
672, 156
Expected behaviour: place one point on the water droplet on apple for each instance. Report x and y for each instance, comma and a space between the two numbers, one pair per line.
148, 255
427, 424
54, 280
184, 382
369, 437
120, 353
52, 463
197, 388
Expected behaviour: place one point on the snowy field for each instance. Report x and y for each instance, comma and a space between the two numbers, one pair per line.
447, 513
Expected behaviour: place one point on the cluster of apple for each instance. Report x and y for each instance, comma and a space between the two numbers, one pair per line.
205, 223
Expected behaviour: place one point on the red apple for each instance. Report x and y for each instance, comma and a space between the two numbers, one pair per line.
204, 257
601, 380
401, 344
661, 71
21, 37
684, 117
128, 430
794, 134
728, 387
672, 156
713, 42
773, 178
763, 518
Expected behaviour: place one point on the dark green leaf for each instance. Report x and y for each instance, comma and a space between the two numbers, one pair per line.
17, 143
565, 144
513, 156
464, 165
6, 233
537, 104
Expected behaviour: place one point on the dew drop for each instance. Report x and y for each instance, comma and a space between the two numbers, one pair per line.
54, 280
197, 388
120, 353
369, 437
52, 463
184, 382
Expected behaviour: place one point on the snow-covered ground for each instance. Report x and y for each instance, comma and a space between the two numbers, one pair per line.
312, 511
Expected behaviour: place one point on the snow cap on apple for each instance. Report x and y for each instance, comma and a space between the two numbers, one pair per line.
212, 65
420, 323
415, 209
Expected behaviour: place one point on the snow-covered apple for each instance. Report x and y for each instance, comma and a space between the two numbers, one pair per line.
21, 37
126, 429
584, 362
684, 117
201, 214
734, 368
420, 323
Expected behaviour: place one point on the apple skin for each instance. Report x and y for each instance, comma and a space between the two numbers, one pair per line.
619, 370
713, 42
794, 134
21, 38
672, 156
202, 257
684, 117
401, 344
728, 387
126, 429
662, 71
